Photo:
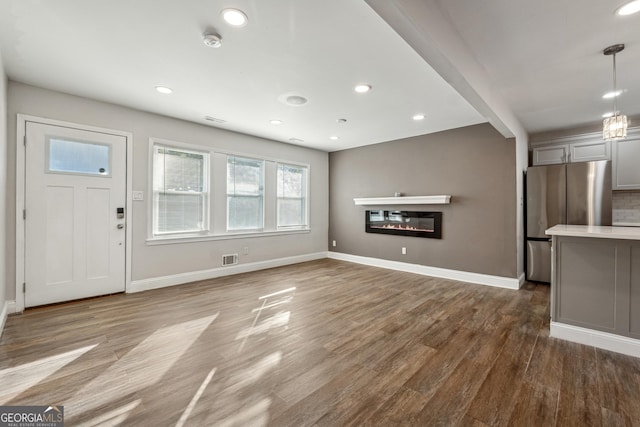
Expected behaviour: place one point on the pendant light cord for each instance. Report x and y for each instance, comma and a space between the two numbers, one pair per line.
615, 91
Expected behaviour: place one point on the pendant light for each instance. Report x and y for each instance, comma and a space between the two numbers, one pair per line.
614, 127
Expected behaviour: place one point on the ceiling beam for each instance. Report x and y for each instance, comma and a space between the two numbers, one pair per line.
430, 33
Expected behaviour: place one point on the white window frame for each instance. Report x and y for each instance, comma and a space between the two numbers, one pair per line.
217, 203
305, 197
154, 194
262, 195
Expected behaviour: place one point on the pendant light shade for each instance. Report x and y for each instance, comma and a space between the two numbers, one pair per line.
614, 127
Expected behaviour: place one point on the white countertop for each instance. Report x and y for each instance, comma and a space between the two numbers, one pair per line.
626, 224
595, 231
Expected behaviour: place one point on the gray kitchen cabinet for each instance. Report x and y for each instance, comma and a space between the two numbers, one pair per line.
594, 285
550, 155
626, 163
634, 299
589, 150
573, 149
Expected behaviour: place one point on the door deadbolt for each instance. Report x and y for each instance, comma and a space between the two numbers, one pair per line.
120, 213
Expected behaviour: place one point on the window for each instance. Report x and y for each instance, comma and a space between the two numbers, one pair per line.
78, 157
187, 195
245, 193
292, 196
180, 190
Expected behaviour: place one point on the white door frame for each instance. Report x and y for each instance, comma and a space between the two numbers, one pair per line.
23, 119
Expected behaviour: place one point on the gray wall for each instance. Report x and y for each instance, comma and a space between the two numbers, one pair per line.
3, 184
475, 165
162, 260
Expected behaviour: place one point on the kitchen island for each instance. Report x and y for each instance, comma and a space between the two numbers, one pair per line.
595, 286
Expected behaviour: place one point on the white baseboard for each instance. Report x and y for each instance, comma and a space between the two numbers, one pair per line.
12, 307
603, 340
4, 313
194, 276
521, 280
463, 276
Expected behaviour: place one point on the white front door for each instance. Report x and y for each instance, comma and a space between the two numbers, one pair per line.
75, 197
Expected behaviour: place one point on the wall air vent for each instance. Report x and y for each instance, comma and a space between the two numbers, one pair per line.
230, 259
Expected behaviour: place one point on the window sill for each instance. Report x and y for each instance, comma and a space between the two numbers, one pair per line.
170, 240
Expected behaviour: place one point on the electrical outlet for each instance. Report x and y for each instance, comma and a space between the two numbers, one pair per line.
334, 244
245, 250
404, 251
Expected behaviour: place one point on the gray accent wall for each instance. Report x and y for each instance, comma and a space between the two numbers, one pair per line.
151, 261
475, 165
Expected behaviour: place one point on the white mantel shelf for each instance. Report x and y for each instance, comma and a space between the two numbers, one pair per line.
402, 200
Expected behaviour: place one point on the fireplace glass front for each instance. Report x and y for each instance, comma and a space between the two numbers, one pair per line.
405, 223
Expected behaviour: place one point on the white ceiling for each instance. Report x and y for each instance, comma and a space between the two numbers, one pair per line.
119, 50
543, 58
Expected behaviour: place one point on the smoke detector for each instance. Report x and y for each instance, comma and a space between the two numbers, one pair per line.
212, 39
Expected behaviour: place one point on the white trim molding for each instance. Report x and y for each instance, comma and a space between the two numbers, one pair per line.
462, 276
9, 307
603, 340
521, 280
194, 276
21, 128
3, 316
403, 200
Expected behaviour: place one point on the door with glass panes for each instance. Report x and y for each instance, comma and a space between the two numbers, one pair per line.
75, 200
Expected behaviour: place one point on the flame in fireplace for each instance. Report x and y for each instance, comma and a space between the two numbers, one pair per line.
402, 228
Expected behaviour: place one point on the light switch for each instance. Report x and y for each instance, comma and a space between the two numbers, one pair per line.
138, 195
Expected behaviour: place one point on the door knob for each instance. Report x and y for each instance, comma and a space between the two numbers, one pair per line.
120, 226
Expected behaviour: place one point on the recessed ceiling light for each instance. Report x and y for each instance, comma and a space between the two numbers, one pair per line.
610, 95
163, 89
276, 122
334, 138
341, 121
234, 17
607, 115
418, 117
362, 88
629, 8
212, 39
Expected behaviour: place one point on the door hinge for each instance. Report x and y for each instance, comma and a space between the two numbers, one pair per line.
24, 140
24, 287
24, 214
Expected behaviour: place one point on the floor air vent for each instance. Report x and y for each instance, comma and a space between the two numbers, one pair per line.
229, 259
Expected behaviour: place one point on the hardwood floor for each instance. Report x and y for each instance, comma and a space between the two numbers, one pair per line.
350, 345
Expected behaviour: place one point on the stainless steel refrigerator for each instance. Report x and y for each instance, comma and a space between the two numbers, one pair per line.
573, 193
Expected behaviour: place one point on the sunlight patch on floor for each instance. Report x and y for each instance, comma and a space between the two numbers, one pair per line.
141, 367
18, 379
254, 373
187, 412
112, 418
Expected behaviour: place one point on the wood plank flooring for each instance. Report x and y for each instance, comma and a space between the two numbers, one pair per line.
350, 345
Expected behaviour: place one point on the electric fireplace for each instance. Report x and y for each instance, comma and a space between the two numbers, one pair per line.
405, 223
